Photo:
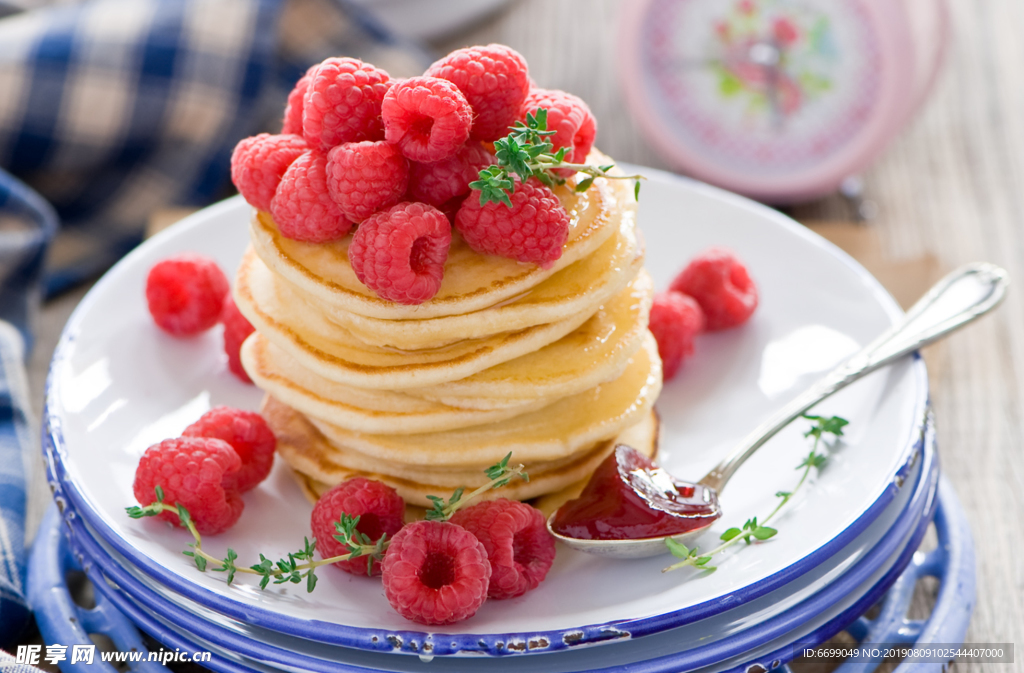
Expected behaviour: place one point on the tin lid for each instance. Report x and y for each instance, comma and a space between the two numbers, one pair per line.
775, 99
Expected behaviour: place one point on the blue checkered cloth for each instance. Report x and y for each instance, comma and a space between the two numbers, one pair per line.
8, 664
112, 109
17, 441
109, 111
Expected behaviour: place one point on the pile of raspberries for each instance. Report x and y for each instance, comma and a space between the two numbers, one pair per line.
434, 572
394, 158
439, 572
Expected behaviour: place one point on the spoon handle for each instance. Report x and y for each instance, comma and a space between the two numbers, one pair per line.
959, 298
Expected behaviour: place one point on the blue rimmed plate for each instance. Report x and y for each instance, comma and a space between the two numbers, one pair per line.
118, 384
718, 638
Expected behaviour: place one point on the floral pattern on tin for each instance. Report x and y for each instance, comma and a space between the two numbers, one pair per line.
773, 57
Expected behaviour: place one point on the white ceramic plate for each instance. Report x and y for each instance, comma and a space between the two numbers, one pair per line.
837, 606
118, 385
728, 634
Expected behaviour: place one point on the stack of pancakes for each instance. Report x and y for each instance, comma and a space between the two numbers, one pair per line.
553, 365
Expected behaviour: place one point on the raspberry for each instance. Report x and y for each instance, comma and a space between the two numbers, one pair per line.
428, 118
186, 293
436, 573
303, 208
400, 253
250, 437
192, 471
236, 329
518, 544
438, 182
364, 177
450, 208
675, 320
342, 103
570, 119
532, 230
380, 509
292, 122
494, 81
721, 285
258, 163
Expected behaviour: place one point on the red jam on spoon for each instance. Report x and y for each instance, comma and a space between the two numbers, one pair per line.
629, 498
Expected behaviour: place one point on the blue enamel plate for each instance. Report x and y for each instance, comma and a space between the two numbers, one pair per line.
876, 552
118, 384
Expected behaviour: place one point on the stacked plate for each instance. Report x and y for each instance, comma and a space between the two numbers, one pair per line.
118, 385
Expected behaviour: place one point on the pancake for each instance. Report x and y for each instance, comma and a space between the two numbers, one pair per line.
302, 446
472, 281
579, 288
595, 352
370, 411
555, 431
298, 327
450, 477
643, 437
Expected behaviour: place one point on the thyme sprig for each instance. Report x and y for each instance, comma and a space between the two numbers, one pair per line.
301, 565
529, 153
499, 474
753, 530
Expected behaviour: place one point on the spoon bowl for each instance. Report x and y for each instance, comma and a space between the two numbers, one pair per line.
640, 548
955, 301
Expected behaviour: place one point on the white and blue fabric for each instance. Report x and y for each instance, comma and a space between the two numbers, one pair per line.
18, 441
109, 111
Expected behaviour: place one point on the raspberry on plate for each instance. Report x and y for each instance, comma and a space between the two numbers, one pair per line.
519, 547
380, 509
436, 572
303, 208
534, 229
426, 117
450, 208
569, 117
192, 471
494, 80
185, 294
250, 437
721, 285
400, 253
675, 320
342, 103
236, 329
440, 181
365, 177
292, 122
258, 163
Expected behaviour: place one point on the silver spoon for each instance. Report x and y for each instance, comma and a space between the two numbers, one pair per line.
958, 299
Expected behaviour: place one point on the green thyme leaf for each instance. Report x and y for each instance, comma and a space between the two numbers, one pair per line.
183, 514
730, 534
678, 549
498, 469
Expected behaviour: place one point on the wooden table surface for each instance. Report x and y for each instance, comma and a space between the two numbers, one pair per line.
951, 186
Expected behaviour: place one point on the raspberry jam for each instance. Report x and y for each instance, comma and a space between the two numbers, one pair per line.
629, 498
